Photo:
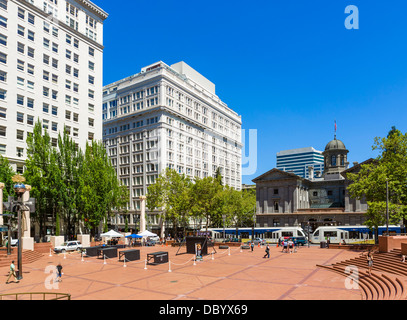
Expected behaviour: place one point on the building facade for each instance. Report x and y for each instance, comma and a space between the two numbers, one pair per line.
287, 199
168, 117
51, 69
298, 161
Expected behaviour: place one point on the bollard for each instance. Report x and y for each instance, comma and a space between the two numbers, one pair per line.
50, 253
64, 255
212, 256
104, 259
229, 251
169, 266
124, 264
194, 261
145, 264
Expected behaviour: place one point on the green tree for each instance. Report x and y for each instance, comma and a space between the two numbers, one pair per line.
6, 173
370, 182
38, 173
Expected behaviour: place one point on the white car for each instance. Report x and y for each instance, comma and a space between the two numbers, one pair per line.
68, 246
14, 242
154, 238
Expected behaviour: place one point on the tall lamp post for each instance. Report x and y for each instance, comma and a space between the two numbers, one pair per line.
19, 189
387, 207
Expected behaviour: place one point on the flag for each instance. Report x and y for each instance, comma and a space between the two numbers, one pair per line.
335, 125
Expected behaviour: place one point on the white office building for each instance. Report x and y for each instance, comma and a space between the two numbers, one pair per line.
51, 68
169, 117
298, 161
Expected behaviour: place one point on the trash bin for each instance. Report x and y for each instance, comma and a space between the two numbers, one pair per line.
323, 244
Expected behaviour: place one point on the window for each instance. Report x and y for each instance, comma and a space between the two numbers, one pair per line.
20, 65
20, 100
30, 120
54, 94
276, 207
3, 57
55, 47
54, 110
21, 30
91, 66
91, 94
54, 126
30, 85
3, 41
54, 79
45, 91
20, 117
76, 73
333, 160
31, 18
3, 131
31, 52
3, 113
68, 39
76, 58
3, 4
68, 115
21, 13
55, 63
45, 124
45, 107
46, 43
3, 94
315, 194
68, 54
30, 103
91, 80
91, 122
91, 52
2, 149
75, 117
46, 59
3, 22
31, 35
330, 193
30, 69
45, 75
20, 135
275, 191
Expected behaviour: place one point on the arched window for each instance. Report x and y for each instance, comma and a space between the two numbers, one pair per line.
333, 160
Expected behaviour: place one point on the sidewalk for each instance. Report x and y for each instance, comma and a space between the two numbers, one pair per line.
242, 275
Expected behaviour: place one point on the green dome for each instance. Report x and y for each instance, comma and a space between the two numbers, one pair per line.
335, 145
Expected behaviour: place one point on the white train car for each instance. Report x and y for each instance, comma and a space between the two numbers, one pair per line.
348, 234
269, 234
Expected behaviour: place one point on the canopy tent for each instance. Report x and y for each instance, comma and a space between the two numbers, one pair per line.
147, 234
112, 234
133, 236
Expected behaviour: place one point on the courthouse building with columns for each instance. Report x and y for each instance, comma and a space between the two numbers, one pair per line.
286, 199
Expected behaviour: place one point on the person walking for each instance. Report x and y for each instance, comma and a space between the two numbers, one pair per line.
252, 246
369, 260
12, 272
267, 252
59, 272
290, 244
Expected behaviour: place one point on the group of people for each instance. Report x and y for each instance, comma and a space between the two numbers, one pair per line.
288, 245
12, 273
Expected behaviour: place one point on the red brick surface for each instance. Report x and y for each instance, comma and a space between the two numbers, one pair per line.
242, 275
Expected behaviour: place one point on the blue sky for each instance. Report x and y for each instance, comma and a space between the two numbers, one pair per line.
289, 68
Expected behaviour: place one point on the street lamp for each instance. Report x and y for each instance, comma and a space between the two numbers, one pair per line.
387, 207
19, 189
224, 222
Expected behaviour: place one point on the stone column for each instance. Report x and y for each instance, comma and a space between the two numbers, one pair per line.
26, 239
143, 213
1, 203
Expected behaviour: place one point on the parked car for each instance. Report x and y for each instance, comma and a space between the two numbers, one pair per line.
14, 242
257, 241
301, 241
68, 246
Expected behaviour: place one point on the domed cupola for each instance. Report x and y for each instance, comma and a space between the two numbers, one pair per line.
335, 159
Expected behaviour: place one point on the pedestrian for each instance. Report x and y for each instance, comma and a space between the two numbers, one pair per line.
252, 246
59, 272
290, 244
267, 252
285, 244
12, 272
369, 260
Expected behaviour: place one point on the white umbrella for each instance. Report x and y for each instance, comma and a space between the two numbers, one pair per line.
112, 234
147, 234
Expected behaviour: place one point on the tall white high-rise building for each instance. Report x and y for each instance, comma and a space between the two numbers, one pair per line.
51, 68
298, 161
169, 117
